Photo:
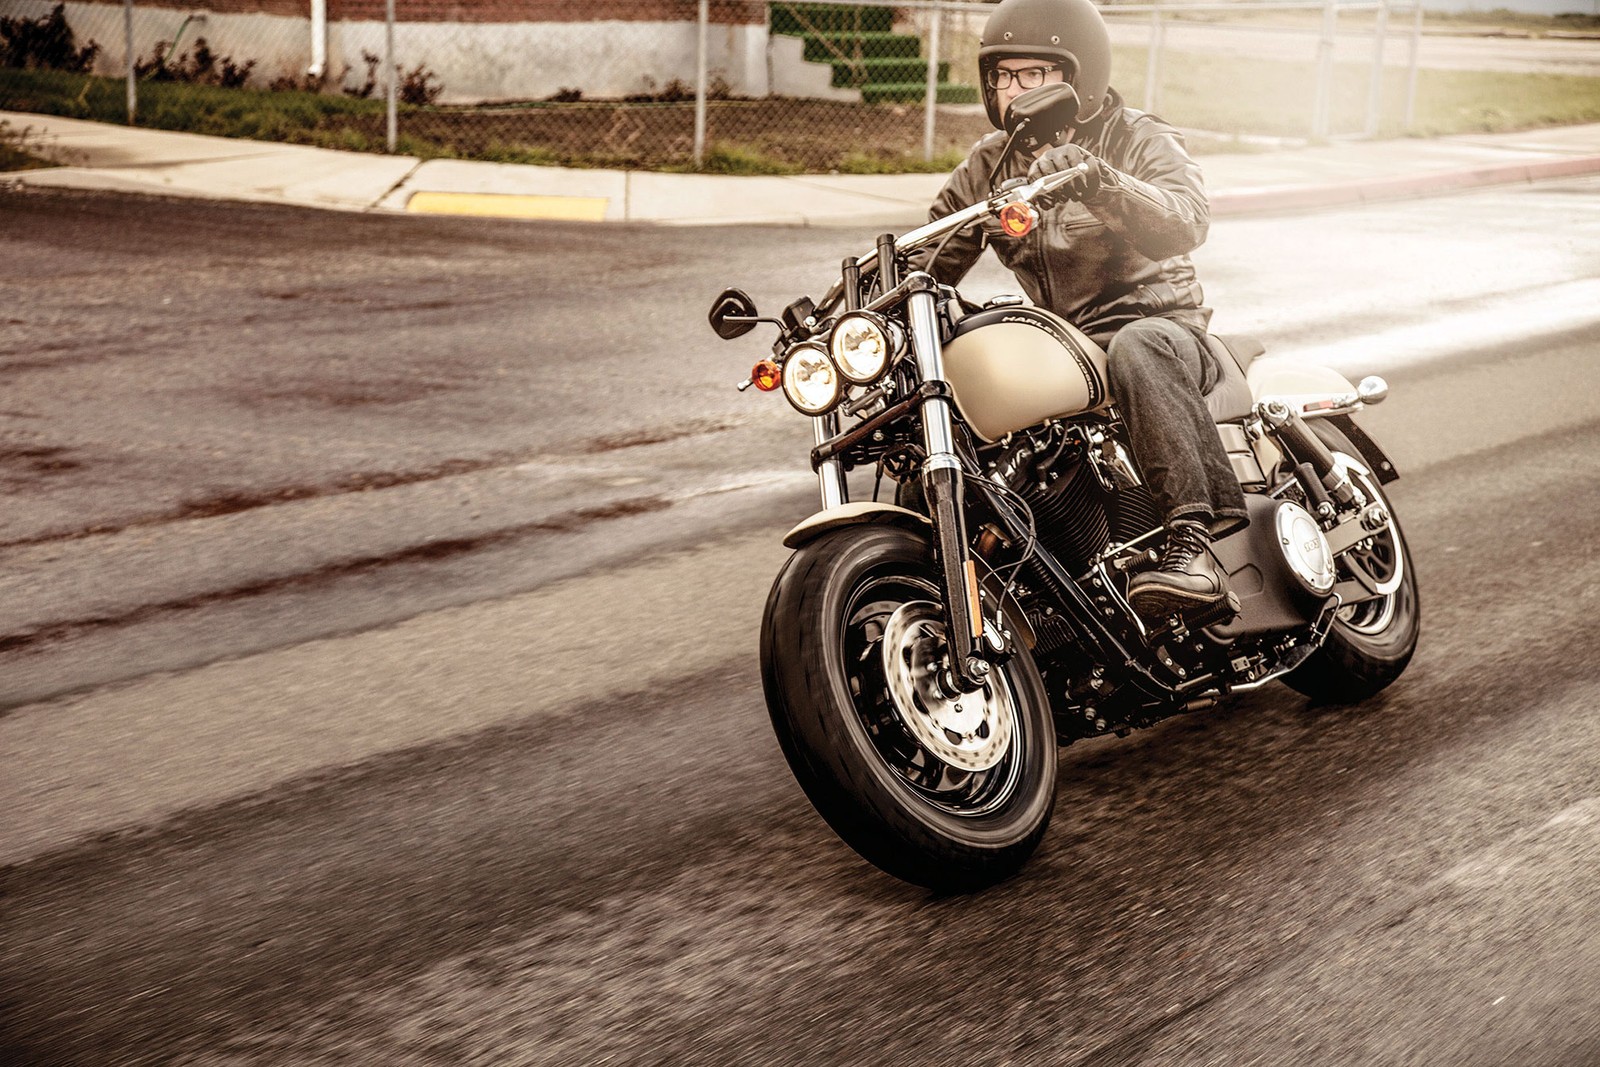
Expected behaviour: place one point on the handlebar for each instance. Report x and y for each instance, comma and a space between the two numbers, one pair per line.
938, 229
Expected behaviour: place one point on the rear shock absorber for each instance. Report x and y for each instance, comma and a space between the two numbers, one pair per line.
1284, 423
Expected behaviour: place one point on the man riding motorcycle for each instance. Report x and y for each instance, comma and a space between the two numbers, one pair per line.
1113, 260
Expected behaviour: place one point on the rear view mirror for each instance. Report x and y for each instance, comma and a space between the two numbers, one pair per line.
1041, 117
733, 314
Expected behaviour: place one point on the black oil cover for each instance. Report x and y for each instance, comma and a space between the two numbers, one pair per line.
1271, 599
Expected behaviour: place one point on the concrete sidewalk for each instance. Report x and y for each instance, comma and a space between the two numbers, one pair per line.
103, 156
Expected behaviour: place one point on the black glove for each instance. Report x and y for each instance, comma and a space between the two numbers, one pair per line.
1065, 157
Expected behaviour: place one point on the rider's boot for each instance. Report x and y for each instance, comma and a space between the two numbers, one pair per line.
1187, 581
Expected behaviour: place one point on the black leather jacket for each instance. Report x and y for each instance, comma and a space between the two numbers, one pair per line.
1122, 254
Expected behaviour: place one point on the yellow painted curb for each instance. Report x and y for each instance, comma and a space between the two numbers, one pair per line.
511, 206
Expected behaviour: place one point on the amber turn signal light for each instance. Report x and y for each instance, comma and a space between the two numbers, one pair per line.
767, 375
1018, 219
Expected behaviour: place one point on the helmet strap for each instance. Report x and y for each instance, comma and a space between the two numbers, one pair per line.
1101, 113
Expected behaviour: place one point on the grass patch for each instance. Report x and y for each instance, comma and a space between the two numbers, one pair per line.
881, 163
1275, 97
301, 117
725, 158
24, 150
13, 157
1503, 19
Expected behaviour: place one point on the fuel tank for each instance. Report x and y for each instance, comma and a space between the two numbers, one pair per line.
1014, 367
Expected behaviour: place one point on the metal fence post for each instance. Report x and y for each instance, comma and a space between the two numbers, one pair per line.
392, 106
1322, 109
1413, 61
318, 69
133, 83
700, 86
930, 99
1380, 30
1152, 65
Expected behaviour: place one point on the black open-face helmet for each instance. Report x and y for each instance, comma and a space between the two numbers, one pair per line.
1069, 32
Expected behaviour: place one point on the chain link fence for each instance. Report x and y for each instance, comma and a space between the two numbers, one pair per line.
721, 85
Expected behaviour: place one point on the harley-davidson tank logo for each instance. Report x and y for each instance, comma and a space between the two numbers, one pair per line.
1091, 380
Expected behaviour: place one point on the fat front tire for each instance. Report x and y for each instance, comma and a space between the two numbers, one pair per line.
1370, 643
953, 794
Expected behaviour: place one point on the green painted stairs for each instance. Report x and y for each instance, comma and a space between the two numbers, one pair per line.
865, 52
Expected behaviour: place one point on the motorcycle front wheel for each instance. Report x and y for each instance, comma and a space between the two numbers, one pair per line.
949, 792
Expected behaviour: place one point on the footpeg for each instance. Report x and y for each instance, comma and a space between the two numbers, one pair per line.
1212, 614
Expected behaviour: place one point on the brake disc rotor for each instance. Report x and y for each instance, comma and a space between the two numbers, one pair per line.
970, 731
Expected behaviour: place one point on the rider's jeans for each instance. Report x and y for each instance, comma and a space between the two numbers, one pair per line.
1159, 375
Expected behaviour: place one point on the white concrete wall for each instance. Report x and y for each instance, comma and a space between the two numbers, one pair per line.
531, 61
473, 61
280, 46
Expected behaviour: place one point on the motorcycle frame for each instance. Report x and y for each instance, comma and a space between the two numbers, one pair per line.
944, 481
944, 484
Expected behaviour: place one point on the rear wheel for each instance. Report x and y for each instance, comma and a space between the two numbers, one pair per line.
1370, 642
951, 792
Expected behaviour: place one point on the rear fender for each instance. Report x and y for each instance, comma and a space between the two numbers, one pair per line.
1295, 384
1291, 381
1378, 460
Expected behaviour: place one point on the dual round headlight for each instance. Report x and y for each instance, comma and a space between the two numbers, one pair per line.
810, 380
860, 344
857, 353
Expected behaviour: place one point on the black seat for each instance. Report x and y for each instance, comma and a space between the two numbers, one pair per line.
1230, 399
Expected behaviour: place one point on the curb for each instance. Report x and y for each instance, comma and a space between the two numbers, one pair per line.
1225, 203
180, 164
1267, 201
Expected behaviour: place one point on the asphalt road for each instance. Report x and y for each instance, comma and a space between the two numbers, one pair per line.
379, 647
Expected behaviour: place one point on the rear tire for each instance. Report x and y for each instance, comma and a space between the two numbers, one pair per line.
939, 792
1370, 643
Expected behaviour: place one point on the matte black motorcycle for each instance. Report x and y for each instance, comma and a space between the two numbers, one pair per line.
923, 659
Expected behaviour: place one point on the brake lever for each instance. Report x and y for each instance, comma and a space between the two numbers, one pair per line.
1051, 189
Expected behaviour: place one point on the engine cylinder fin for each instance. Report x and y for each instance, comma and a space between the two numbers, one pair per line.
1134, 513
1070, 514
1053, 632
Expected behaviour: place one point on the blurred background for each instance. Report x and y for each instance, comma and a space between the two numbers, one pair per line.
740, 87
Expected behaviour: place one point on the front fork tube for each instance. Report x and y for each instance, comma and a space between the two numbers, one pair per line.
942, 489
963, 611
830, 472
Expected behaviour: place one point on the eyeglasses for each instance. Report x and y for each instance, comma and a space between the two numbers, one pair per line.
1027, 77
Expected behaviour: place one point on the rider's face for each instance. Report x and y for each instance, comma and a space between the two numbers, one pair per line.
1015, 89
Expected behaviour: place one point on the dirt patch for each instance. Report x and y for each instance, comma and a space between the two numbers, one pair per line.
428, 552
347, 394
231, 503
657, 435
22, 466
